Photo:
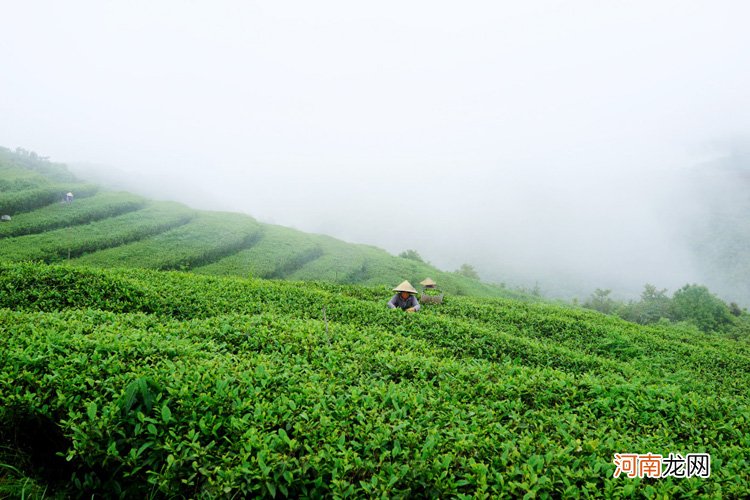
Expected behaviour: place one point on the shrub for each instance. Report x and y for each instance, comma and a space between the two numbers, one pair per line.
411, 255
697, 304
468, 271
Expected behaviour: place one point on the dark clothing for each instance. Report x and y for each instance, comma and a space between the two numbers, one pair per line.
397, 301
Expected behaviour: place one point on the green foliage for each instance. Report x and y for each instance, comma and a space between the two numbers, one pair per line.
468, 271
82, 211
411, 254
692, 304
277, 253
173, 384
57, 245
14, 483
740, 330
206, 238
15, 202
13, 179
697, 304
653, 306
159, 384
338, 262
38, 170
735, 309
600, 301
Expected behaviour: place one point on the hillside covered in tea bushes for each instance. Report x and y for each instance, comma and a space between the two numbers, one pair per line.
138, 383
114, 229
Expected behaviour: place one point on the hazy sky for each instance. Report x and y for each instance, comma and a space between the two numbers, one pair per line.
531, 138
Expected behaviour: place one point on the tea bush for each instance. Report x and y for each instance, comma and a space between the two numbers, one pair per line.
81, 211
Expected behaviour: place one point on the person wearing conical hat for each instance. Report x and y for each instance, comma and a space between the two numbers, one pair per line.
404, 299
430, 293
428, 283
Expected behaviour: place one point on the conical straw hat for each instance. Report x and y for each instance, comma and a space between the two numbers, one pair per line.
405, 286
427, 282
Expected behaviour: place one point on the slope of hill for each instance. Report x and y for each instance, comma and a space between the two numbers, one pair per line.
119, 379
137, 383
111, 229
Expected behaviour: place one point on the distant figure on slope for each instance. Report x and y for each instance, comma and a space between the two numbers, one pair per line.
404, 298
431, 294
428, 284
69, 197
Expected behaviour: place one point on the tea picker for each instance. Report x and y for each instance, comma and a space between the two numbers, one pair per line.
430, 294
405, 299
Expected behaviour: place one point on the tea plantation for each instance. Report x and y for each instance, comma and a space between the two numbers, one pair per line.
142, 383
147, 354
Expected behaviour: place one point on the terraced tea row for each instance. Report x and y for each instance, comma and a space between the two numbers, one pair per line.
16, 202
70, 242
207, 237
278, 252
83, 211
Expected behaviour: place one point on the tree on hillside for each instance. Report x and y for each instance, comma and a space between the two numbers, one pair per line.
468, 271
654, 305
735, 310
696, 304
741, 328
600, 301
30, 154
411, 255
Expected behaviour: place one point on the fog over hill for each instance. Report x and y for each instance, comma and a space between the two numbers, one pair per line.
716, 220
571, 144
689, 225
